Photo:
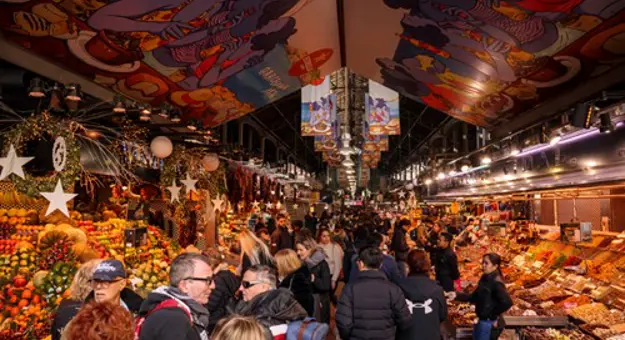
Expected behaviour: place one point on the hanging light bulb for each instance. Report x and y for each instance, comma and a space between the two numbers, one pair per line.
175, 118
428, 181
145, 110
164, 112
486, 160
119, 107
73, 93
464, 168
36, 89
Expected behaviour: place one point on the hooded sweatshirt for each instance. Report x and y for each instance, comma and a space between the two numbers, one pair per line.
427, 305
173, 323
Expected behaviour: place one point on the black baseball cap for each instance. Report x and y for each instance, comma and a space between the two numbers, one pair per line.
109, 270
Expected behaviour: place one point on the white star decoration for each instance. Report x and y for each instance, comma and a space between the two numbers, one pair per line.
175, 192
218, 203
402, 194
189, 184
295, 206
270, 205
12, 164
58, 199
256, 204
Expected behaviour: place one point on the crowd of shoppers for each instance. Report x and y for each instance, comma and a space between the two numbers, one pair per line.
290, 277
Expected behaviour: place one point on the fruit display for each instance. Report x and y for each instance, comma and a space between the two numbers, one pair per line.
150, 275
19, 294
38, 263
54, 283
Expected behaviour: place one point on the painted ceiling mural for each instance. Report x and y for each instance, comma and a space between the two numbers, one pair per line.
484, 61
217, 59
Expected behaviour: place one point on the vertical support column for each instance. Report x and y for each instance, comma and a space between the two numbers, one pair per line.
224, 133
241, 129
250, 140
262, 147
465, 138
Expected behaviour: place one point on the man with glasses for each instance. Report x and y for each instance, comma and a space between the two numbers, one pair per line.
273, 308
178, 312
109, 285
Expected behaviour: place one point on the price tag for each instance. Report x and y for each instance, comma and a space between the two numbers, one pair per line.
538, 264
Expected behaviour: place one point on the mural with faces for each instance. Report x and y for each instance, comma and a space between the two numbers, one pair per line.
484, 61
217, 59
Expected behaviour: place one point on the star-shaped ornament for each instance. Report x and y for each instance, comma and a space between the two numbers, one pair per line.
189, 184
255, 204
58, 199
12, 164
295, 206
218, 204
175, 192
270, 205
402, 194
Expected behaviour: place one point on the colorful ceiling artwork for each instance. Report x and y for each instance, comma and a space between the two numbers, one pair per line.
484, 61
216, 59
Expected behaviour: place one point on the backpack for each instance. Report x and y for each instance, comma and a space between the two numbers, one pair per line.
307, 329
169, 303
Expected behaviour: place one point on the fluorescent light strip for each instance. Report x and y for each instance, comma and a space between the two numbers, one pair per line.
534, 149
580, 136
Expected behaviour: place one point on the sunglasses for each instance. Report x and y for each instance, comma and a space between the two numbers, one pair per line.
248, 284
207, 280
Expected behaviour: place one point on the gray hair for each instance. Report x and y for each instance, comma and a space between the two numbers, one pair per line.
264, 274
183, 267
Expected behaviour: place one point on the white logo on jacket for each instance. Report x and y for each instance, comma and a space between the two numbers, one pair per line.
425, 305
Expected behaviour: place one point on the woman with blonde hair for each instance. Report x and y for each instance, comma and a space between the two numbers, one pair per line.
253, 251
295, 276
238, 327
78, 292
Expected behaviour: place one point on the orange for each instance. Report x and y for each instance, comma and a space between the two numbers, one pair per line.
23, 303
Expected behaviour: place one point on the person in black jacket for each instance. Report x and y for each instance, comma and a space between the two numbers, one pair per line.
295, 276
271, 306
281, 237
177, 311
446, 265
371, 307
253, 251
226, 286
425, 299
399, 246
490, 298
315, 259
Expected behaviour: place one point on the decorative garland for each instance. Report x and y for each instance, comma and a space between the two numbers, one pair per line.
183, 161
36, 128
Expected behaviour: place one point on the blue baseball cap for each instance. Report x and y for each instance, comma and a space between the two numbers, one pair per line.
109, 270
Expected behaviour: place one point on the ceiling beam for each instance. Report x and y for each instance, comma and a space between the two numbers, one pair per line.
557, 105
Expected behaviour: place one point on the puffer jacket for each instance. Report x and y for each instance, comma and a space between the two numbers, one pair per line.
372, 308
299, 284
490, 298
226, 286
272, 308
427, 305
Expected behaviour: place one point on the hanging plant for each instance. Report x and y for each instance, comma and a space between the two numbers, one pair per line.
42, 127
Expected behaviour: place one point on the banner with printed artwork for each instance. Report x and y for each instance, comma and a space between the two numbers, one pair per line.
382, 110
373, 143
318, 107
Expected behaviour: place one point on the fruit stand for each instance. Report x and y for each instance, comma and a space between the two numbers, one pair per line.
38, 262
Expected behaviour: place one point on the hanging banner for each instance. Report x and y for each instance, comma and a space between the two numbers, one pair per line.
382, 110
328, 143
374, 143
317, 108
